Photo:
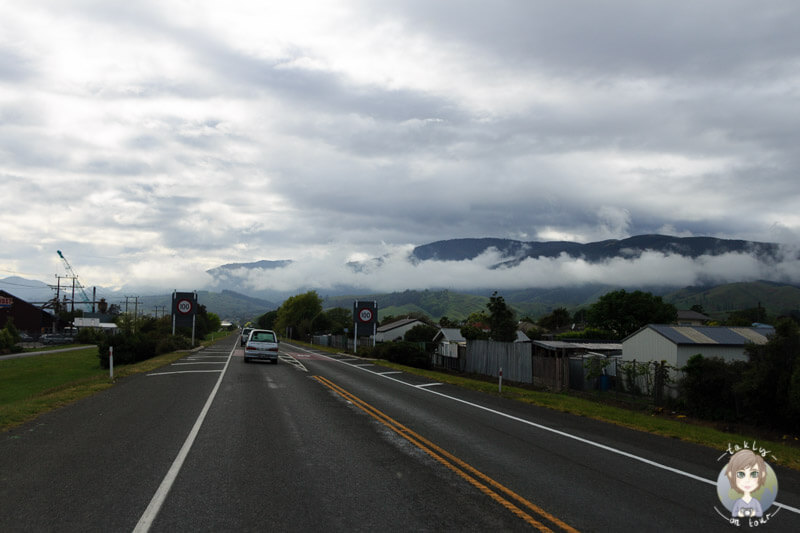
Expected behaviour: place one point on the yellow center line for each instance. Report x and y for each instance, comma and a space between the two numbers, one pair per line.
464, 470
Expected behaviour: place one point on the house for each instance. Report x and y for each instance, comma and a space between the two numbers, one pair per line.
25, 316
448, 340
95, 323
395, 331
687, 317
676, 344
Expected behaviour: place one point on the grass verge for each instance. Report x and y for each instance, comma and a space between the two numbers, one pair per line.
31, 386
784, 453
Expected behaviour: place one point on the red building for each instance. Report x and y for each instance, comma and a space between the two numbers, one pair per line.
26, 317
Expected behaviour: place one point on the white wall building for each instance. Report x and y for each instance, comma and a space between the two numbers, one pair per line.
676, 344
395, 331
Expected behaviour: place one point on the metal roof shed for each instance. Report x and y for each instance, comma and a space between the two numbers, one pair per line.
676, 344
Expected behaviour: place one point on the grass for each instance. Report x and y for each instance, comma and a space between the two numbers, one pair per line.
31, 386
786, 451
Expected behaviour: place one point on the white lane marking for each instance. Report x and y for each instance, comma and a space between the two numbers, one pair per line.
203, 363
184, 372
149, 515
387, 373
551, 430
287, 358
427, 385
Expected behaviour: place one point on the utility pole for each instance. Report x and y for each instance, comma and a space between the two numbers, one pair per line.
135, 312
58, 289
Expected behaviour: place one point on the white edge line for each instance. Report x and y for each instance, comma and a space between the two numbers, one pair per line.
149, 515
557, 432
427, 385
185, 372
202, 363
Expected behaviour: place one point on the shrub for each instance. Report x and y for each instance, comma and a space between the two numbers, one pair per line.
172, 343
128, 348
403, 353
708, 387
90, 336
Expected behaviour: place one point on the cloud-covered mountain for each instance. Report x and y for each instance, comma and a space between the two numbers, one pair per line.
469, 265
513, 251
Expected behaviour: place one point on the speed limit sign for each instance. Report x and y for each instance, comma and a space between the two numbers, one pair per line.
184, 306
365, 315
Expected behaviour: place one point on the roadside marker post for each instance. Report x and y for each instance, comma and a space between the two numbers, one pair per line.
500, 385
111, 362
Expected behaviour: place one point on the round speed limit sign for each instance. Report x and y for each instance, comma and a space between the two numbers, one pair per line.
365, 315
184, 307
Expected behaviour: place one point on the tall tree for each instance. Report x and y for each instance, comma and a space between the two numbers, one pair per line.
622, 313
297, 313
502, 324
558, 319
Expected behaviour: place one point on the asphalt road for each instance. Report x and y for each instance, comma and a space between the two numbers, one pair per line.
338, 444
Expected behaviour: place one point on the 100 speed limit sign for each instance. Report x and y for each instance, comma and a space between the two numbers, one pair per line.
365, 315
184, 307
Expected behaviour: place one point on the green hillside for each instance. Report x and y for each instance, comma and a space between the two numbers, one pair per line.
716, 301
228, 305
436, 304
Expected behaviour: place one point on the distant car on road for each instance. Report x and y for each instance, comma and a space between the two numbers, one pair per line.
245, 334
54, 338
262, 344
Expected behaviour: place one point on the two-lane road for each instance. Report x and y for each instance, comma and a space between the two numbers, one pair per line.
335, 443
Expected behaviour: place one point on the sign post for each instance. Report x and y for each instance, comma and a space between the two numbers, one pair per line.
365, 318
184, 311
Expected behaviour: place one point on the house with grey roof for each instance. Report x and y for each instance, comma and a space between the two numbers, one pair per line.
676, 344
687, 317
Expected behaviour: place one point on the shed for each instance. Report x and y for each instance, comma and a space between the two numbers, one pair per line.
676, 344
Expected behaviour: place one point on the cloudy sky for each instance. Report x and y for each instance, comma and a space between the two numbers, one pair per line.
152, 140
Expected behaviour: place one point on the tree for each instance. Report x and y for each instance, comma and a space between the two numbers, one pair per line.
445, 322
768, 385
338, 320
556, 320
296, 314
747, 317
502, 324
421, 333
623, 313
267, 320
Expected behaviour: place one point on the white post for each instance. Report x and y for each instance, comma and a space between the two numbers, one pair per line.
500, 385
111, 362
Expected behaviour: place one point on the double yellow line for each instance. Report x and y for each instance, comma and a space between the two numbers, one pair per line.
499, 493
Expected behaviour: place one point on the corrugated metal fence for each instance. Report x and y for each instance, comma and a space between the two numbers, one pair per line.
488, 357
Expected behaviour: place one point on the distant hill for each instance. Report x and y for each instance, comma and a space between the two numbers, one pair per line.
776, 298
264, 264
228, 305
436, 304
717, 301
516, 251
